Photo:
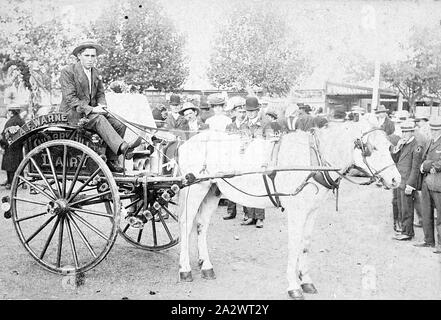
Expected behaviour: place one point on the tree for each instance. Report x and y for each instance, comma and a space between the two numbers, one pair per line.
253, 50
357, 68
418, 75
42, 45
142, 46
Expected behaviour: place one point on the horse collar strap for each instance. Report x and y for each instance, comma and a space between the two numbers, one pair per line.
322, 177
274, 200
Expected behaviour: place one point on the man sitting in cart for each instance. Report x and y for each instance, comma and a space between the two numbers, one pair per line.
83, 97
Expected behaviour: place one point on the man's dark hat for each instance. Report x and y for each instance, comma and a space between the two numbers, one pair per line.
251, 104
88, 44
419, 118
305, 107
272, 114
204, 103
175, 100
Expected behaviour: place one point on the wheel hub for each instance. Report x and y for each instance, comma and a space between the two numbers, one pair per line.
58, 206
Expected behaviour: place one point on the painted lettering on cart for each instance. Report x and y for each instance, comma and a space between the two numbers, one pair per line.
40, 121
72, 162
55, 135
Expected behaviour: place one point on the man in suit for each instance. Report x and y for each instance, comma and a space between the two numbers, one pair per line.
175, 120
422, 134
206, 111
407, 156
83, 98
253, 130
384, 121
238, 126
431, 186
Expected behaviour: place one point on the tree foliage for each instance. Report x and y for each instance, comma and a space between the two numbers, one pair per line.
419, 75
43, 46
252, 50
142, 46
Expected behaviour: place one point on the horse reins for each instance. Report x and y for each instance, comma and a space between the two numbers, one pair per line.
274, 196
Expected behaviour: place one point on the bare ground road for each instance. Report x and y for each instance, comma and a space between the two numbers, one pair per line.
352, 257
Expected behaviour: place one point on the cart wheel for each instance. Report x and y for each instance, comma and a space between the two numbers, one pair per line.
67, 224
158, 232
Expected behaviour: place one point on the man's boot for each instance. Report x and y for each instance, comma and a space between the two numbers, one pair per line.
231, 210
114, 167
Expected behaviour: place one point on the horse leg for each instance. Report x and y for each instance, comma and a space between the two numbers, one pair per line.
207, 208
304, 276
190, 199
296, 216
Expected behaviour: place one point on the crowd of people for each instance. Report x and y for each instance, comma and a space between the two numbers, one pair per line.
250, 117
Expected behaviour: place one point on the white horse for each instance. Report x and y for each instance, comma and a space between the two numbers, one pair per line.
209, 153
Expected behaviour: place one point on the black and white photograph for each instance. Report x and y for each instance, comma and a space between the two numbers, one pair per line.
234, 151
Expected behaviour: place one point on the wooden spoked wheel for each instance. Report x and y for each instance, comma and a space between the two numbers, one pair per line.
68, 217
159, 231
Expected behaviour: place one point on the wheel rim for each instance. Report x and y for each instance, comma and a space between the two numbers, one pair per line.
74, 218
159, 233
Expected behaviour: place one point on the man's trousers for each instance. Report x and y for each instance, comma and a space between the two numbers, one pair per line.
110, 130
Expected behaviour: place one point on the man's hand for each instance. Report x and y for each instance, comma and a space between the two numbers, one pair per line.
99, 109
432, 170
408, 190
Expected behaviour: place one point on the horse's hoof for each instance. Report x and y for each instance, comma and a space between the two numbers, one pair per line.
309, 288
208, 274
186, 276
296, 294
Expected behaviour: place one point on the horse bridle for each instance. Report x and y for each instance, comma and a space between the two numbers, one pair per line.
365, 153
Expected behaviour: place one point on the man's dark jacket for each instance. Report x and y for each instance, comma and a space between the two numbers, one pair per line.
77, 100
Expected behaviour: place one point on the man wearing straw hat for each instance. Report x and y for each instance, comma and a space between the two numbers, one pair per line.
239, 125
407, 156
13, 154
194, 124
83, 97
431, 186
384, 121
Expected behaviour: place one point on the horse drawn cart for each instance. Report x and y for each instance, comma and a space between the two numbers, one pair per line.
68, 207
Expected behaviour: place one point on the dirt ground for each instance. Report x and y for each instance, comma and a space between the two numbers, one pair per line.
352, 257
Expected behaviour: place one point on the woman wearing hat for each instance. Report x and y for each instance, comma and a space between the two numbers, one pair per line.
305, 121
13, 154
272, 128
83, 97
219, 121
